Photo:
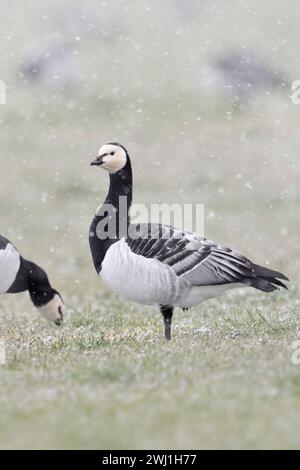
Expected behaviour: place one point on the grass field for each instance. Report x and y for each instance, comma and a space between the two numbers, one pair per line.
107, 378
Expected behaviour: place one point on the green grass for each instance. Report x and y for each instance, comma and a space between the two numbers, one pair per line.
107, 378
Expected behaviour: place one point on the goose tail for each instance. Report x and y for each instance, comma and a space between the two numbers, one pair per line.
265, 279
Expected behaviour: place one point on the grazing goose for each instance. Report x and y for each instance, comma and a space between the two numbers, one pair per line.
155, 264
18, 275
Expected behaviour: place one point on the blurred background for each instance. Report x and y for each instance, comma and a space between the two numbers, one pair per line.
197, 90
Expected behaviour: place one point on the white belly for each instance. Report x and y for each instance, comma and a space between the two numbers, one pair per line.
143, 280
9, 267
196, 295
148, 281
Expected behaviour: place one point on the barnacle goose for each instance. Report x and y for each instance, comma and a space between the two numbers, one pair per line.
162, 266
18, 275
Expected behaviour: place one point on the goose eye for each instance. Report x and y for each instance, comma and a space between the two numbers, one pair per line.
112, 153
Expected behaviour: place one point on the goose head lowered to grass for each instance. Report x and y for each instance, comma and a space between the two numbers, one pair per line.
18, 275
155, 264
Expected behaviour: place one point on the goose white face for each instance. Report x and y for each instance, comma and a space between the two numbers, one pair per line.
111, 157
53, 310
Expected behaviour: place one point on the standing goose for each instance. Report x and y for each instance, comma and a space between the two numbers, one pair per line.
18, 275
156, 264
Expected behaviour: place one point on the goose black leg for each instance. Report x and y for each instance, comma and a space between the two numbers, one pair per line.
167, 313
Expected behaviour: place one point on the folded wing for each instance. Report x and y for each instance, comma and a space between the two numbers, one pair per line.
199, 261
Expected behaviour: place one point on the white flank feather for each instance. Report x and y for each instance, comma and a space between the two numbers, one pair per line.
143, 280
9, 267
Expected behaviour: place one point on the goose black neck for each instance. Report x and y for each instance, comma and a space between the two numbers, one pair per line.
33, 278
117, 204
120, 185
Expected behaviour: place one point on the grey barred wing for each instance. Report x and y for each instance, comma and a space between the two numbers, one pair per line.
181, 250
199, 261
222, 266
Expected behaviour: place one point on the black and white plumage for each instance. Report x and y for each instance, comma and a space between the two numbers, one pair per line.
18, 274
155, 264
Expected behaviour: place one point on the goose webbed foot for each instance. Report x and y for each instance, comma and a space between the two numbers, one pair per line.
167, 313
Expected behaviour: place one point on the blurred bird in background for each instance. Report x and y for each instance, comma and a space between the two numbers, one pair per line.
243, 74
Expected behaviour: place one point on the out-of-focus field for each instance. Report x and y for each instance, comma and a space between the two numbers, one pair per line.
107, 378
